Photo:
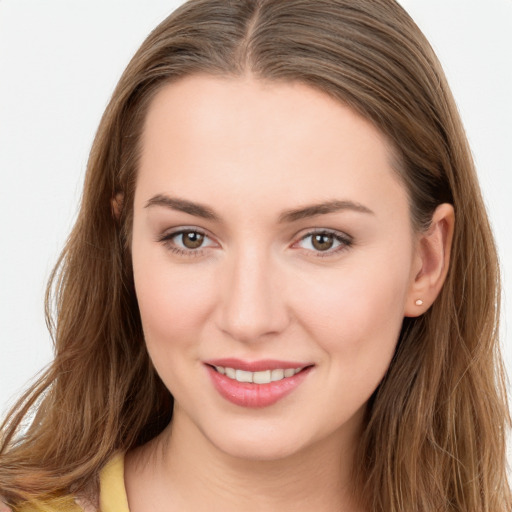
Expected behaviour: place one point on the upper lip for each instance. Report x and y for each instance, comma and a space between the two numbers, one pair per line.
256, 366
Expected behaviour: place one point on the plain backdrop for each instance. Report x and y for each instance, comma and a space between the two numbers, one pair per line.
59, 63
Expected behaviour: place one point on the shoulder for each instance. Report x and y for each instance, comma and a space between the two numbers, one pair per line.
112, 494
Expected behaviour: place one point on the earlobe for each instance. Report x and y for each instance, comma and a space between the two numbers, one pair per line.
432, 261
116, 204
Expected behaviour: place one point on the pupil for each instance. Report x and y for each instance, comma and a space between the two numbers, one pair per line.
322, 242
192, 239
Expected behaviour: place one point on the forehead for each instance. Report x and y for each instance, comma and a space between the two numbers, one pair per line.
223, 138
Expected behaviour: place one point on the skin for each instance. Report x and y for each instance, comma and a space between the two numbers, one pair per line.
258, 288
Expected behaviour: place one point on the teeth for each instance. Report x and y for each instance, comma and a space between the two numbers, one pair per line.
243, 376
277, 375
263, 377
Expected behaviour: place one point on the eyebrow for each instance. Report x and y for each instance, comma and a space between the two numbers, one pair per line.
322, 209
183, 205
288, 216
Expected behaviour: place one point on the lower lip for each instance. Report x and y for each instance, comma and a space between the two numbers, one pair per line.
248, 394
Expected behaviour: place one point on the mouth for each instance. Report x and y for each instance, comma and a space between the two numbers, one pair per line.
256, 384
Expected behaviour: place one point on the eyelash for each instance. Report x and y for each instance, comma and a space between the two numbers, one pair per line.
345, 242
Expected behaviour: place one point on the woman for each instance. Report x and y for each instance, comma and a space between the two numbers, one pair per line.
281, 289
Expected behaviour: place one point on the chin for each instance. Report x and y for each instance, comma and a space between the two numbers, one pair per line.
265, 449
279, 440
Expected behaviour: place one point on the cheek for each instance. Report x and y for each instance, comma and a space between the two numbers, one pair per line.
173, 300
355, 318
173, 307
355, 313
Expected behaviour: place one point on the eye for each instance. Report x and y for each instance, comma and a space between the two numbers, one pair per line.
190, 239
188, 242
325, 243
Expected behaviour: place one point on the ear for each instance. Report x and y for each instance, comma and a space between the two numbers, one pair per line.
116, 204
431, 261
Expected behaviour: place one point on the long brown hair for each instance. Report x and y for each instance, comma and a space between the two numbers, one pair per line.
434, 439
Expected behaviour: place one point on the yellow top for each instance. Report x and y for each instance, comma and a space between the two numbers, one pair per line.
112, 493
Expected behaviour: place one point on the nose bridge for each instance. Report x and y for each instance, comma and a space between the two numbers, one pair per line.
252, 305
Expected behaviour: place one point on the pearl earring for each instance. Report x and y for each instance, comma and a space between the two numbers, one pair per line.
419, 302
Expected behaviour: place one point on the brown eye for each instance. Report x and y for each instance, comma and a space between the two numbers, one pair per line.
322, 241
187, 242
192, 239
325, 243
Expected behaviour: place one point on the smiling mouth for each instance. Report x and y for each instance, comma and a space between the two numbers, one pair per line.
256, 384
261, 377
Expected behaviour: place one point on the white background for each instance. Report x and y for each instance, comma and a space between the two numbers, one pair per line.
59, 63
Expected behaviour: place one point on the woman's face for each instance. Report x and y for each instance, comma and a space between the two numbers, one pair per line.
271, 236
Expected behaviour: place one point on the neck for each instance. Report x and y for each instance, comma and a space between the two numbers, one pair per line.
187, 472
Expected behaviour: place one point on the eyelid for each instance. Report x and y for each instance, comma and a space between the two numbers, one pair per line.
180, 230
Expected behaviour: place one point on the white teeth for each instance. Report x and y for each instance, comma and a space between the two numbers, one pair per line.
243, 376
277, 375
262, 377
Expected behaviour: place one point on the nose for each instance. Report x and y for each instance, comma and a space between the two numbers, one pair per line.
253, 306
